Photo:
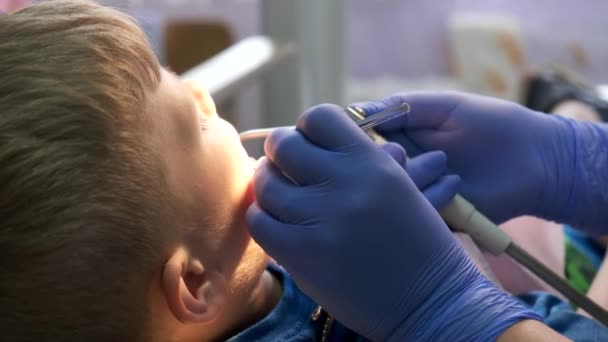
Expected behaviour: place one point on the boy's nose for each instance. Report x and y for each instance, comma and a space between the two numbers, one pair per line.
202, 97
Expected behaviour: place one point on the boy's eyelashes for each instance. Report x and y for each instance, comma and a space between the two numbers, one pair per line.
203, 122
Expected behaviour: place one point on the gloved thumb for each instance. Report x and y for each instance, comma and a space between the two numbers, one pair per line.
397, 152
328, 127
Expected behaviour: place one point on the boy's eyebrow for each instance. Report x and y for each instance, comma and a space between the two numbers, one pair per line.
175, 77
184, 89
171, 72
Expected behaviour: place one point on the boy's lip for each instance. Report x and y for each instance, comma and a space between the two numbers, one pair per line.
254, 163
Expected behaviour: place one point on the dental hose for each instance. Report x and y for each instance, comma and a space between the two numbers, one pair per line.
538, 268
462, 216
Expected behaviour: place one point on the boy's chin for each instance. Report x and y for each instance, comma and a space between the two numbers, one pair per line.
253, 269
257, 258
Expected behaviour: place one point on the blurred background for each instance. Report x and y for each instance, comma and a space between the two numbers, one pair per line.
306, 52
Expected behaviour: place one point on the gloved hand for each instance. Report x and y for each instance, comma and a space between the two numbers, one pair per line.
360, 239
428, 172
512, 161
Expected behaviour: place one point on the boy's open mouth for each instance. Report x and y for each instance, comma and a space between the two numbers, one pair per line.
253, 162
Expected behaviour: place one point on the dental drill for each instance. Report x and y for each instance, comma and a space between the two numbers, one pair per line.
461, 215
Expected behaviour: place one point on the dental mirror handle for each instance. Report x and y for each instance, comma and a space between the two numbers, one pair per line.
366, 123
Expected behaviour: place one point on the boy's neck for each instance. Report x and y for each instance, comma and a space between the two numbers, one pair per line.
257, 306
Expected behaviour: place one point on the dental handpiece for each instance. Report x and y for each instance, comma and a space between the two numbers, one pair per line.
366, 123
462, 216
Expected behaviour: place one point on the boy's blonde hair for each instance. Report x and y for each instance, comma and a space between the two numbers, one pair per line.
83, 201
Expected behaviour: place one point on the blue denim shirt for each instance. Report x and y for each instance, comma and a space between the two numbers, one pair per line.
560, 316
295, 318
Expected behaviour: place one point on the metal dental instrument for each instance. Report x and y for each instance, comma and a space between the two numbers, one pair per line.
462, 216
356, 114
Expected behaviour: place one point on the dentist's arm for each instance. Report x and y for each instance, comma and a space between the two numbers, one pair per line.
512, 161
360, 238
530, 330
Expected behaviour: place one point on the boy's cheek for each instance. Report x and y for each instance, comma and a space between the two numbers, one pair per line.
250, 189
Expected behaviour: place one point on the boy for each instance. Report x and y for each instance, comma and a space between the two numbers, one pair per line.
122, 194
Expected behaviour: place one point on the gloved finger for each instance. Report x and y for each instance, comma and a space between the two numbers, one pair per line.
442, 192
403, 139
279, 196
280, 240
397, 152
427, 168
329, 127
428, 110
297, 157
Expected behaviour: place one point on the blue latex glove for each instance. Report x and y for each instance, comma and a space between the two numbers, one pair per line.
512, 160
503, 152
360, 239
428, 171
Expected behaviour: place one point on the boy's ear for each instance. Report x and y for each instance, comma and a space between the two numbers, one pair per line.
194, 294
202, 97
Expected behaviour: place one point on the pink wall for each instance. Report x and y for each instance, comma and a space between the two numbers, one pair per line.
408, 37
11, 5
